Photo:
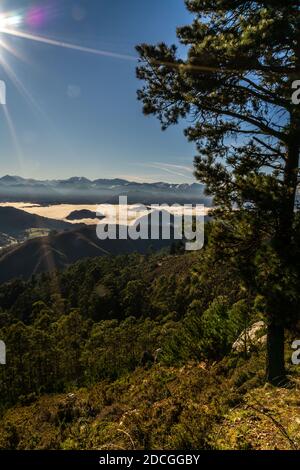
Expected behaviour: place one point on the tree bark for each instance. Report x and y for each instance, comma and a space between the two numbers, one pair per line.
276, 373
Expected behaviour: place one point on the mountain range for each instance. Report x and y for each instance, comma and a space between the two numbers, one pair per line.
78, 190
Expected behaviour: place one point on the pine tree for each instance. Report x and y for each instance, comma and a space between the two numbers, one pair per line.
235, 86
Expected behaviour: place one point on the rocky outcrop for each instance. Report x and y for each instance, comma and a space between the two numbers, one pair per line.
250, 338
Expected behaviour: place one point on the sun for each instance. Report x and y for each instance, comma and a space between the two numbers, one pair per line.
12, 23
9, 19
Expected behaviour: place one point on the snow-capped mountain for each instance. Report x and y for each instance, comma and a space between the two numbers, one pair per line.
83, 190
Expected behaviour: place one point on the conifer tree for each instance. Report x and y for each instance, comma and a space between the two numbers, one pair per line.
234, 88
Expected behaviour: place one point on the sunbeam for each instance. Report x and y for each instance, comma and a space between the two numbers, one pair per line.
65, 45
13, 133
11, 50
23, 90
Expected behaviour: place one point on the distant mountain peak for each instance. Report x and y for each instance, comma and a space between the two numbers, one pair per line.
79, 190
11, 179
78, 179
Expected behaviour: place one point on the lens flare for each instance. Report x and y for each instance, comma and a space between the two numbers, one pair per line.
7, 20
66, 45
36, 16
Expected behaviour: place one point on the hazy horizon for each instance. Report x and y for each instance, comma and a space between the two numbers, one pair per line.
140, 180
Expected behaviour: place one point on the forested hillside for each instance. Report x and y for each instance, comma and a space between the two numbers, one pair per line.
57, 251
82, 334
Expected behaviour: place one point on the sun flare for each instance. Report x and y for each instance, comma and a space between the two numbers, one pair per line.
7, 20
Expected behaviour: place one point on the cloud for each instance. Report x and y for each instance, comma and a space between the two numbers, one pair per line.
188, 169
173, 169
181, 173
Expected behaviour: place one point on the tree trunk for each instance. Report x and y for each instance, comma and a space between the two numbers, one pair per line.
276, 374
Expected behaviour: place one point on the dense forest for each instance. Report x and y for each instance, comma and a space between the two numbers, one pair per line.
83, 333
94, 320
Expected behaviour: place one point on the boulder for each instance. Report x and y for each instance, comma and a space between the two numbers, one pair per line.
254, 336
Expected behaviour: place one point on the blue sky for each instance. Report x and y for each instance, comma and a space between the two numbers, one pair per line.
75, 113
